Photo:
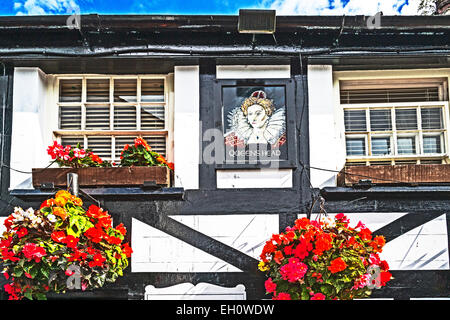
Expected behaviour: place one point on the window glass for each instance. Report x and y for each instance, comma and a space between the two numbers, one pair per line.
356, 146
432, 144
381, 146
406, 145
380, 120
355, 120
406, 119
431, 118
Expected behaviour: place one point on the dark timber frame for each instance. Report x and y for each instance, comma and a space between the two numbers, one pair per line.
402, 42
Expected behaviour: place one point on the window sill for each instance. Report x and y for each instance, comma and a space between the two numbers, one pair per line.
401, 174
119, 193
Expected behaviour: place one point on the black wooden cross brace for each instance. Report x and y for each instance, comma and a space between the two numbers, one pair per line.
205, 243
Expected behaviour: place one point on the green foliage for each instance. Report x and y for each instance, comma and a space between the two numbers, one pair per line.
59, 245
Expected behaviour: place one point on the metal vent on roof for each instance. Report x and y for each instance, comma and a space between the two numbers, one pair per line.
257, 21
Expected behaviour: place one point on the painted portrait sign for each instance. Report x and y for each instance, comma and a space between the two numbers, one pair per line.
254, 122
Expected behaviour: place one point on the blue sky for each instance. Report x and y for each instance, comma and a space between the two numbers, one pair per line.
283, 7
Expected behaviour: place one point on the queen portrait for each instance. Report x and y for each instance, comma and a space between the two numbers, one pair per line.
256, 121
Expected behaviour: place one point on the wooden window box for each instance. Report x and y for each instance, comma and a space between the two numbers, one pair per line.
395, 174
96, 177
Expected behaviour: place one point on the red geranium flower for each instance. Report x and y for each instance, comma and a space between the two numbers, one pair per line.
22, 232
270, 286
127, 250
33, 251
71, 241
337, 265
97, 260
94, 234
121, 228
318, 296
58, 236
282, 296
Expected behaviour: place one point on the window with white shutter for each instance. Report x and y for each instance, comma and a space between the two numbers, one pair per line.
395, 121
103, 113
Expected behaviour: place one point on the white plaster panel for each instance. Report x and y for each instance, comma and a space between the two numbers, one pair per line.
253, 72
156, 251
2, 226
259, 178
423, 248
323, 132
30, 136
186, 126
246, 233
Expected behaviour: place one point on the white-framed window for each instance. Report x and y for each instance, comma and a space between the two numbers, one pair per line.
105, 112
395, 121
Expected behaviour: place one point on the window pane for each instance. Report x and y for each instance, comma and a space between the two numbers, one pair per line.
406, 119
355, 120
72, 141
432, 118
125, 90
70, 117
152, 117
152, 90
101, 146
380, 120
381, 146
125, 117
70, 90
98, 90
432, 144
121, 141
356, 146
406, 145
157, 143
97, 117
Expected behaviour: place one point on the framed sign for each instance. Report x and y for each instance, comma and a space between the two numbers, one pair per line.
257, 121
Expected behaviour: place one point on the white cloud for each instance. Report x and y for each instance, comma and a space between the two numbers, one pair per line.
339, 7
44, 7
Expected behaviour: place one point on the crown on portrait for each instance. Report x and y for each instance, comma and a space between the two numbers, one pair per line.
259, 94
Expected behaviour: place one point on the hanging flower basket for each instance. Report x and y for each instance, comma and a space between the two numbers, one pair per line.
60, 247
325, 260
139, 164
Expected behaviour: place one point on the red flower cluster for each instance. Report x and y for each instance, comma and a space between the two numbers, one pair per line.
74, 157
61, 233
337, 265
309, 258
33, 251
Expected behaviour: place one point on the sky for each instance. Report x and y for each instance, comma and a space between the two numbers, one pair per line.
216, 7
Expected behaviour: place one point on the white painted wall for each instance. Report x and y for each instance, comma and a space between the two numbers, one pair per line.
30, 133
262, 178
423, 248
187, 126
253, 72
156, 251
325, 141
